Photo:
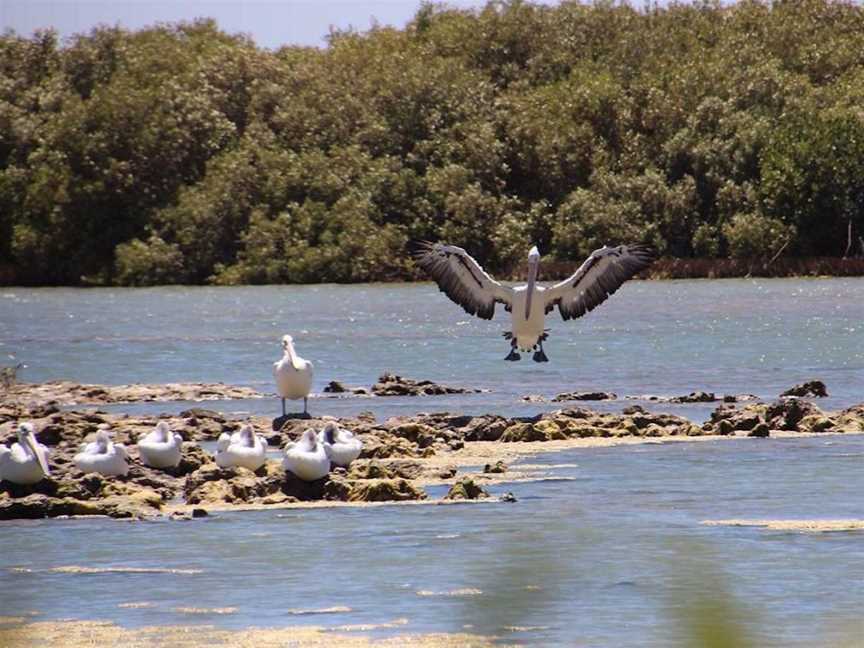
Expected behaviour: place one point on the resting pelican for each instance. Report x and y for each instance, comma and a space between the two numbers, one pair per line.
462, 279
340, 445
27, 461
160, 448
103, 457
307, 458
244, 448
293, 374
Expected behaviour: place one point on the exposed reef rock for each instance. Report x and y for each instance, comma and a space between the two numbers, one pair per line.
812, 388
696, 397
392, 385
70, 393
400, 455
336, 387
584, 396
466, 489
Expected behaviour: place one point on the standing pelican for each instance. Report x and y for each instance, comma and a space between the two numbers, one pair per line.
462, 279
27, 461
307, 458
160, 448
103, 456
340, 445
293, 375
244, 448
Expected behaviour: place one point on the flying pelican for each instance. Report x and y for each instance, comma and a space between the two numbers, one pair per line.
307, 458
27, 461
102, 456
340, 445
160, 448
462, 279
244, 448
293, 375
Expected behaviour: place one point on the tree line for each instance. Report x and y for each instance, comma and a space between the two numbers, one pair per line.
183, 154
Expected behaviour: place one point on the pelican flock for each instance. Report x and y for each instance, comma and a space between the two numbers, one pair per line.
103, 456
160, 448
462, 279
242, 449
293, 375
27, 461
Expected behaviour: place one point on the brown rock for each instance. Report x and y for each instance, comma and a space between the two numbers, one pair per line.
584, 396
466, 489
812, 388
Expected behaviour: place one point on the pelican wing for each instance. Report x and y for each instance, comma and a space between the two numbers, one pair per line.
599, 277
462, 279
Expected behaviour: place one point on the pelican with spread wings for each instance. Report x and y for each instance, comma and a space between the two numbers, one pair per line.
462, 279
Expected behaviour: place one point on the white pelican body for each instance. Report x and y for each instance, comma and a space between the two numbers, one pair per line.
161, 448
341, 446
243, 449
27, 461
307, 458
103, 456
462, 279
293, 374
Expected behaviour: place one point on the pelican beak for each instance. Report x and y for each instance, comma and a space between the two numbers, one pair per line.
37, 452
533, 262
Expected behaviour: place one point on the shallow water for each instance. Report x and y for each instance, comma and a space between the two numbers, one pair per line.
667, 338
607, 552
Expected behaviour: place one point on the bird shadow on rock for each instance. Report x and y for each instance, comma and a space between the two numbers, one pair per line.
280, 421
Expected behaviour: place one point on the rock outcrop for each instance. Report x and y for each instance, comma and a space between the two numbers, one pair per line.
812, 389
392, 385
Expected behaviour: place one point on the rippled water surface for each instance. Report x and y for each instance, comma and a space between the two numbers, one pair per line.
665, 338
609, 551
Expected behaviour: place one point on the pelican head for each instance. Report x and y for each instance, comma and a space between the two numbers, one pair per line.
247, 436
102, 441
287, 341
533, 265
330, 431
27, 439
309, 440
163, 432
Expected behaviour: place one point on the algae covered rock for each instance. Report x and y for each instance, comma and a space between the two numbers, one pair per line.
497, 468
522, 432
466, 489
384, 490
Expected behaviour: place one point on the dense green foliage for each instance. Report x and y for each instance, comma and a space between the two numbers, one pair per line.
181, 154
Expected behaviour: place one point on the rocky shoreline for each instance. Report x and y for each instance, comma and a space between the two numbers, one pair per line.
400, 456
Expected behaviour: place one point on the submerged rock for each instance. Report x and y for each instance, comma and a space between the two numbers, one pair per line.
812, 388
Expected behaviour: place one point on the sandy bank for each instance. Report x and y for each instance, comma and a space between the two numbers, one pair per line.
81, 634
810, 526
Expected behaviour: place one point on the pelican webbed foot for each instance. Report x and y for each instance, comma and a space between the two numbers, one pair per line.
513, 356
540, 356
